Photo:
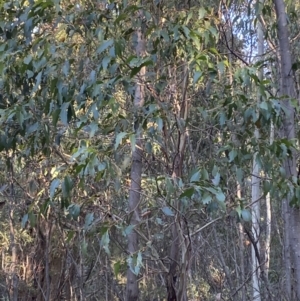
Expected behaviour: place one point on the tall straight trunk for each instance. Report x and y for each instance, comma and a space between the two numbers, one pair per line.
255, 228
47, 260
291, 214
181, 244
13, 245
14, 280
268, 222
241, 250
132, 290
256, 188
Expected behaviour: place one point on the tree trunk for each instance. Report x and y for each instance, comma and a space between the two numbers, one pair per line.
14, 280
178, 271
241, 250
132, 290
268, 222
256, 188
255, 228
291, 214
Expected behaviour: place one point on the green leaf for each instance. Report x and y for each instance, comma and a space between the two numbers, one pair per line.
232, 155
84, 247
220, 196
264, 105
117, 267
282, 171
128, 230
132, 139
105, 242
240, 175
104, 46
246, 215
119, 138
66, 68
204, 174
139, 263
66, 187
167, 211
267, 186
216, 179
206, 199
159, 221
197, 75
222, 118
74, 211
93, 76
202, 13
24, 221
135, 71
70, 235
32, 218
37, 82
159, 123
54, 184
27, 59
89, 218
188, 193
169, 186
106, 60
221, 67
195, 177
64, 113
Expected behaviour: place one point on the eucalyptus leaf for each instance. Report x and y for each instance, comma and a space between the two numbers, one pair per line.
167, 211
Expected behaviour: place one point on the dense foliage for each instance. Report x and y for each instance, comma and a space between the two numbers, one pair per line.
70, 126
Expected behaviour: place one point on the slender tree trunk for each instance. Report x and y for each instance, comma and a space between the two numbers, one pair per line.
268, 221
241, 250
47, 260
256, 188
132, 290
291, 214
180, 242
286, 249
14, 277
14, 281
255, 228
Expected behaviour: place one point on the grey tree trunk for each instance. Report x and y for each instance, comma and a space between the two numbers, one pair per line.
132, 289
291, 214
14, 280
256, 268
256, 294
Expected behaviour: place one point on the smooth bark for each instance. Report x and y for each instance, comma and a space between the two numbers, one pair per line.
132, 290
291, 214
255, 228
256, 269
241, 250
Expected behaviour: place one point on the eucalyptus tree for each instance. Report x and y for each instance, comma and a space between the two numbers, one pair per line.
132, 291
118, 125
290, 207
256, 194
